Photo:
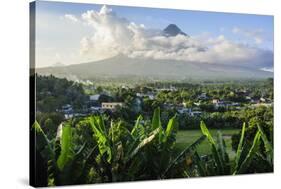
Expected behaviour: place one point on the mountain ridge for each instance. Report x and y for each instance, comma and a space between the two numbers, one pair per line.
122, 65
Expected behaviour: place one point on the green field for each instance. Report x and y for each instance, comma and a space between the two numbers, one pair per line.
186, 138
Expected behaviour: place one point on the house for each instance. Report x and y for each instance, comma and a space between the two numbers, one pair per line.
248, 98
111, 105
203, 96
215, 101
150, 95
96, 109
189, 112
195, 113
67, 109
184, 110
94, 97
80, 114
219, 103
262, 99
235, 104
255, 101
171, 88
125, 87
68, 116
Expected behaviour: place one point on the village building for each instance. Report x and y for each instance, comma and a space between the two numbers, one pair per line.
111, 105
189, 112
263, 100
150, 95
67, 109
184, 110
219, 103
248, 98
96, 109
171, 88
94, 97
203, 96
195, 113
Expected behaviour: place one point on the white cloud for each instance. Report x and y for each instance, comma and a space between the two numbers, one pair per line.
114, 35
267, 69
255, 34
71, 17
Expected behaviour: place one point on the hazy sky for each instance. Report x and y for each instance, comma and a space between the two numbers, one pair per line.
72, 33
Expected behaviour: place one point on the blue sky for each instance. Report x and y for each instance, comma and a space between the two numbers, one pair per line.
252, 30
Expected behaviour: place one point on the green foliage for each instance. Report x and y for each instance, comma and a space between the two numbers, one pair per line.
206, 132
252, 152
218, 157
259, 120
64, 162
239, 149
219, 162
188, 151
112, 153
101, 137
268, 146
156, 122
93, 149
52, 93
138, 129
49, 122
66, 154
268, 155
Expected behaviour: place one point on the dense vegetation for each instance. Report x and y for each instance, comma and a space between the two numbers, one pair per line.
94, 149
138, 142
52, 93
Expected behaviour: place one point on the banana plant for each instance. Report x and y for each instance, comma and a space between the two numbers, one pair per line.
65, 165
183, 155
220, 163
117, 147
268, 155
142, 153
219, 154
243, 162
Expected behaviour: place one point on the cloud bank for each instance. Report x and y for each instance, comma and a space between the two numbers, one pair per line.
113, 35
70, 17
255, 34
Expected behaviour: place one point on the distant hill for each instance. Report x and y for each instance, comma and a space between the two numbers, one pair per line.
122, 66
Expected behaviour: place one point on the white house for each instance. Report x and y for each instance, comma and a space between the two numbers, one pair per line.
184, 110
195, 113
151, 96
189, 112
219, 103
111, 105
94, 97
67, 109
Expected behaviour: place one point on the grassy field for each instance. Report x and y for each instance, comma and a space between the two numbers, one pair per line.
185, 138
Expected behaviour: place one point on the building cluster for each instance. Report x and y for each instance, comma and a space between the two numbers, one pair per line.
97, 105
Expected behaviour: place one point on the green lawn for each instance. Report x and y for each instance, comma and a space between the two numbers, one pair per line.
185, 138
